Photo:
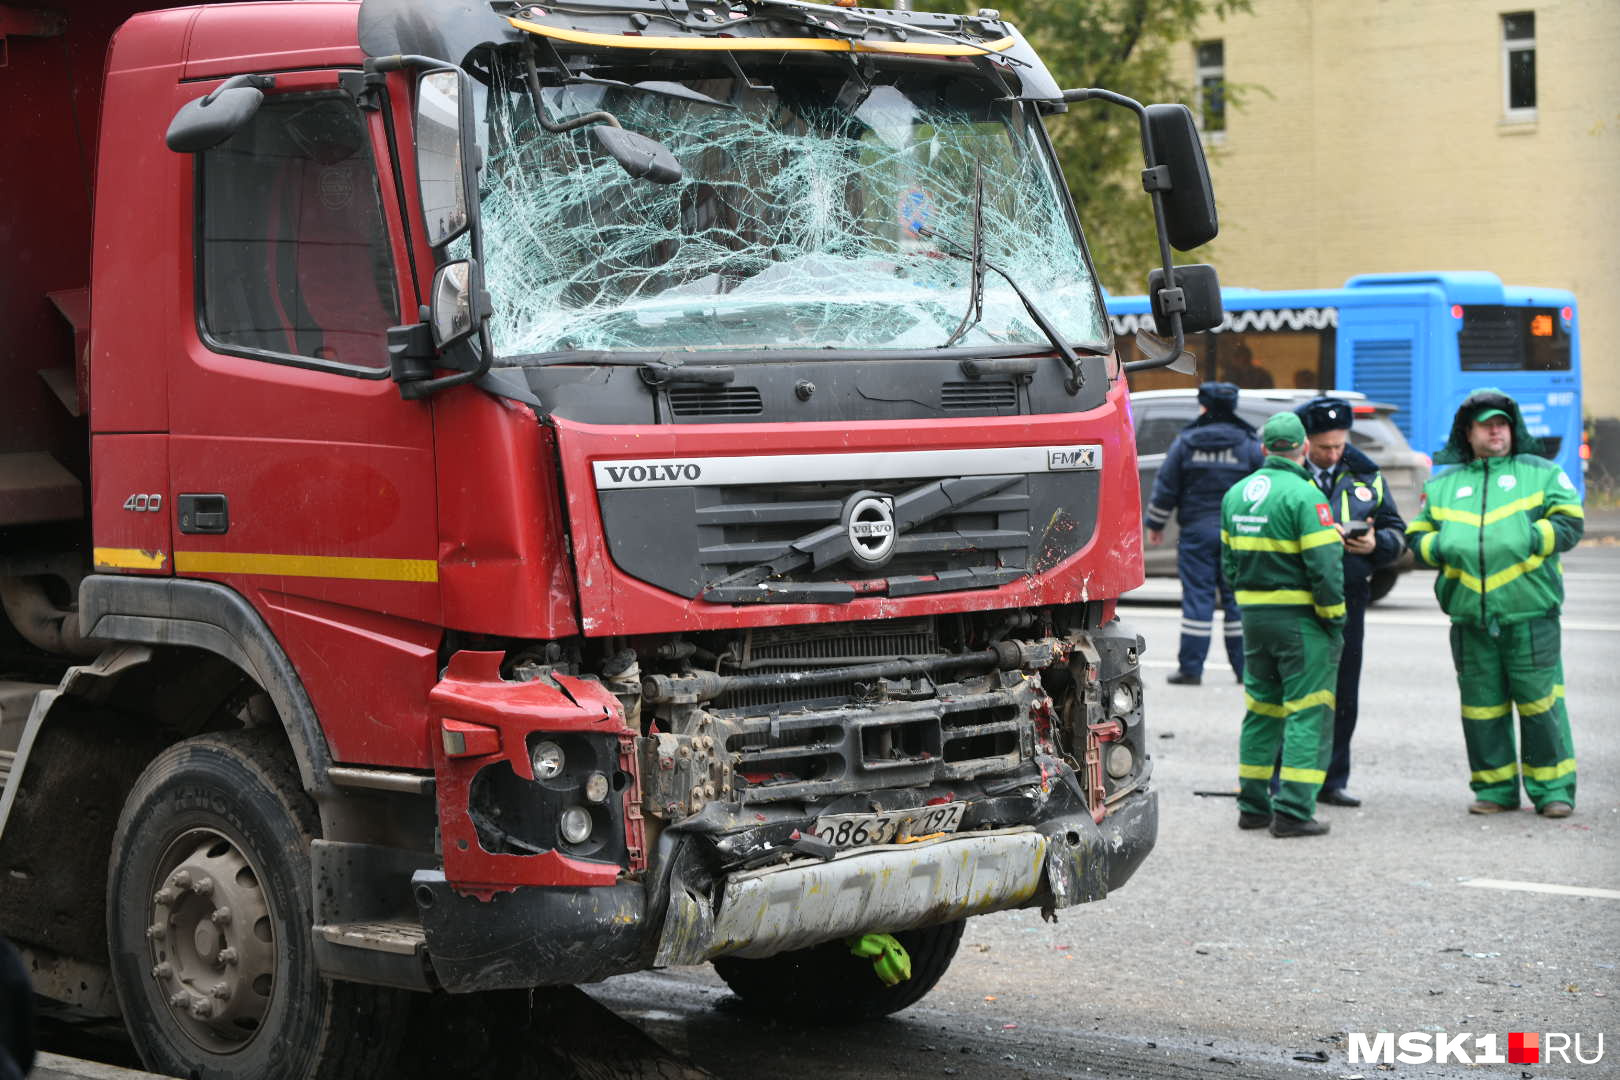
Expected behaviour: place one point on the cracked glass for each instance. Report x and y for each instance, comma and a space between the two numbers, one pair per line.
821, 211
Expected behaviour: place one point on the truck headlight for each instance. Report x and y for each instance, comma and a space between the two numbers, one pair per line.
547, 760
575, 825
1119, 760
596, 787
1123, 699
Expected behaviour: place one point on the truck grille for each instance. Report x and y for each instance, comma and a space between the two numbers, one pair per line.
800, 648
715, 401
979, 396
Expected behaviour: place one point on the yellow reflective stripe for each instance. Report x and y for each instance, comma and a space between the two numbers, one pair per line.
1493, 776
734, 44
1332, 611
1486, 712
1468, 580
1264, 708
1226, 537
1465, 517
1317, 539
1426, 548
1548, 537
1541, 705
128, 559
1517, 506
1572, 509
1321, 697
1272, 596
1550, 772
1304, 776
323, 566
1419, 527
1262, 543
1254, 772
1517, 570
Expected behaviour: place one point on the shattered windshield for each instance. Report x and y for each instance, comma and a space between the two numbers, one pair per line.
821, 211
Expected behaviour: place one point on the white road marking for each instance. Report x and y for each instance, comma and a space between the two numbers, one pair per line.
1374, 618
1536, 886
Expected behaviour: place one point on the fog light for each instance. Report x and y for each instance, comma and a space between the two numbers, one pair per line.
547, 760
596, 787
1120, 760
1124, 699
576, 825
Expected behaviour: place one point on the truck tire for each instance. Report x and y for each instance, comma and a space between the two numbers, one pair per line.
827, 984
208, 924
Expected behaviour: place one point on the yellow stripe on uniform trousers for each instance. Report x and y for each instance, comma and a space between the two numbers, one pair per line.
1303, 776
1272, 596
1496, 776
1255, 772
1550, 772
1541, 705
1486, 712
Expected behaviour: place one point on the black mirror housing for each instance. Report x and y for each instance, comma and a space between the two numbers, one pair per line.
1201, 293
1189, 205
208, 121
641, 157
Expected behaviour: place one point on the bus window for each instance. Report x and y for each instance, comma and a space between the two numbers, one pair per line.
1276, 359
1498, 338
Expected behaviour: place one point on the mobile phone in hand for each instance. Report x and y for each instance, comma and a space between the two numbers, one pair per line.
1357, 529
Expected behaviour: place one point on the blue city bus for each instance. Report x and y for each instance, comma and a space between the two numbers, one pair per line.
1420, 341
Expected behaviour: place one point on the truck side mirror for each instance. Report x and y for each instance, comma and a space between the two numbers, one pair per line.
1201, 294
206, 122
444, 124
454, 314
1189, 204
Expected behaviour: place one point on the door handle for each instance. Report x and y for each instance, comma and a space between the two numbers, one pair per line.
204, 514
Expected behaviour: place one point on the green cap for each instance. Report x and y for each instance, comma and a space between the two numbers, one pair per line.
1485, 414
1283, 432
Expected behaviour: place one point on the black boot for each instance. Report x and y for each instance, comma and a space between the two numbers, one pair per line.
1184, 678
1283, 826
1247, 820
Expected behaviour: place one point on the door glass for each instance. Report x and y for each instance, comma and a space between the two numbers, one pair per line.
295, 257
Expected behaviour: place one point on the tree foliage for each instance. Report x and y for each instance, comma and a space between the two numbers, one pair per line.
1127, 46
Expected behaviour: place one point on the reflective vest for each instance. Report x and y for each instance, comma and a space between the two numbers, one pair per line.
1278, 543
1494, 527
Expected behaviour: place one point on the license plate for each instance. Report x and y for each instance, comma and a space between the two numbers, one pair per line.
896, 826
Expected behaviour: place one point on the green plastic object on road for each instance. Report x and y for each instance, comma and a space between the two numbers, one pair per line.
890, 961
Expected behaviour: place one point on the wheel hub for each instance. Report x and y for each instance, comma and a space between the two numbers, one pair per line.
212, 940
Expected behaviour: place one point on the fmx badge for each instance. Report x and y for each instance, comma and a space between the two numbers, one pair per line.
1073, 457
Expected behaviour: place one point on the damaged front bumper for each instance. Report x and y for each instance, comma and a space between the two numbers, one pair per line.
535, 936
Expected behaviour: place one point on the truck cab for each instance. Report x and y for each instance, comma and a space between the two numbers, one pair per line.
558, 492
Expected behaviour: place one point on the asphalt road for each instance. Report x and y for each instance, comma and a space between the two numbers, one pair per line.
1233, 954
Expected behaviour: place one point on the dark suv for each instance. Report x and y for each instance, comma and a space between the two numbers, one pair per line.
1161, 414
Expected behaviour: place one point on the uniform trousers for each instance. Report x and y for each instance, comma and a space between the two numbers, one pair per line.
1291, 666
1357, 595
1198, 564
1519, 665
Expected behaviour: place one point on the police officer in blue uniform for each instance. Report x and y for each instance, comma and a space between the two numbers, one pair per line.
1211, 454
1354, 489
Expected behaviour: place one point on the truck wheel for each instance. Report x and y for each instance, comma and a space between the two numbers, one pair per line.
1379, 585
827, 984
208, 924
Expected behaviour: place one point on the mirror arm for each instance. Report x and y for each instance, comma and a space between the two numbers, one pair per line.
257, 82
1156, 181
482, 309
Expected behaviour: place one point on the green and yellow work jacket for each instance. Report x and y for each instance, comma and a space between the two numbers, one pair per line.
1278, 543
1494, 528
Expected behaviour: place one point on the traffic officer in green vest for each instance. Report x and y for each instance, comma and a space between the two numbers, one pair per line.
1494, 526
1284, 558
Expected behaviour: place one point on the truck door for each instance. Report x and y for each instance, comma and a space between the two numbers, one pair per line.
299, 476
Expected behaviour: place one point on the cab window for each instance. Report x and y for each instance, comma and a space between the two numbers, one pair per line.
295, 261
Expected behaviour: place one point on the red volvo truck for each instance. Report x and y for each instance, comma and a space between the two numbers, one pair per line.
499, 495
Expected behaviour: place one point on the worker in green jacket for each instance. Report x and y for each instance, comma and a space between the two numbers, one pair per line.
1494, 526
1284, 558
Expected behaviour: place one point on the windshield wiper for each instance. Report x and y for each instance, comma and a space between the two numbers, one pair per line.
975, 312
1066, 353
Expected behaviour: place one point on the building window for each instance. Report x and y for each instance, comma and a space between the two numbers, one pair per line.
1519, 65
1211, 75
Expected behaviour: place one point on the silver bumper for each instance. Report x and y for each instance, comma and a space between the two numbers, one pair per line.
764, 912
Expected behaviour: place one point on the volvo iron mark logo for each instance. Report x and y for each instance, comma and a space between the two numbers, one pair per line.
869, 520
